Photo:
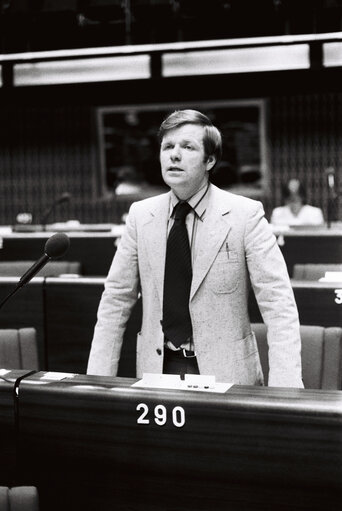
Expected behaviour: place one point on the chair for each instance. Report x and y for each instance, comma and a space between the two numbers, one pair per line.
321, 355
313, 271
51, 269
19, 349
19, 498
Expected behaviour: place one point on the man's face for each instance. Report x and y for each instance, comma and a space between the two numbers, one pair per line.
183, 163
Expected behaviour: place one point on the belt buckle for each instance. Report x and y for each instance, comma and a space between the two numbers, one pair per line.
188, 356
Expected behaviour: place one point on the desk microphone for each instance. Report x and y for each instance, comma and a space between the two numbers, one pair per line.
55, 247
330, 173
65, 197
332, 195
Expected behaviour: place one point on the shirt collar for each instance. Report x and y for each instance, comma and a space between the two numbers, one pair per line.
198, 201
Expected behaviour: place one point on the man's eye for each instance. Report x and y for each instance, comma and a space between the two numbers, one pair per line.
167, 146
188, 147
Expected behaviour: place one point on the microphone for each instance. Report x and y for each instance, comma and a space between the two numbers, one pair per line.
55, 247
332, 195
65, 197
330, 173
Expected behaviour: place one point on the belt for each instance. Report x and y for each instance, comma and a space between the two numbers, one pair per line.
182, 353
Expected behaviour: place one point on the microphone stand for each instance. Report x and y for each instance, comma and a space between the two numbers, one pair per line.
329, 212
55, 247
63, 198
46, 215
27, 277
332, 195
8, 296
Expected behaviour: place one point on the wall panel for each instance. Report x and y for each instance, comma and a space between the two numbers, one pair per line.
305, 137
49, 149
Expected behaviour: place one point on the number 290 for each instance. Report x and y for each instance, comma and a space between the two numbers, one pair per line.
161, 416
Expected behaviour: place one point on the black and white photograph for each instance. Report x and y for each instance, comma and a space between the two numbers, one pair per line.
171, 255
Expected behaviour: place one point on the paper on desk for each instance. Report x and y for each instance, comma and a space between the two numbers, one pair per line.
194, 382
332, 276
57, 376
4, 371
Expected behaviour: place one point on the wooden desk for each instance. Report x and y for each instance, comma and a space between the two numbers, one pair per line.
250, 448
94, 250
316, 302
8, 425
316, 245
71, 308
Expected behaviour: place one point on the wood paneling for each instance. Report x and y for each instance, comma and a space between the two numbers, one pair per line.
94, 251
9, 425
24, 309
251, 448
322, 246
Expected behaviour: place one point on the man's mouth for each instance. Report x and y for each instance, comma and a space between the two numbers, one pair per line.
175, 169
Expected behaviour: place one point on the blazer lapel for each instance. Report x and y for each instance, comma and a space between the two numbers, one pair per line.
215, 230
155, 237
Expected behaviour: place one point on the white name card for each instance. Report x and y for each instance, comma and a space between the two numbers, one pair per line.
196, 382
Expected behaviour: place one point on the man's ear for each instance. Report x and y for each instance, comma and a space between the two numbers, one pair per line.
211, 162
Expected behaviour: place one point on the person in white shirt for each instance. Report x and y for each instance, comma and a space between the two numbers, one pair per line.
296, 211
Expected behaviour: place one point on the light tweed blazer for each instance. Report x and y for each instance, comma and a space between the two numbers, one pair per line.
237, 248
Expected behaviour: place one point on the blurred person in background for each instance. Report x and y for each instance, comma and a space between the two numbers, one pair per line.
295, 210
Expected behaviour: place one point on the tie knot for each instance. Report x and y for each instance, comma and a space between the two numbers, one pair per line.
181, 210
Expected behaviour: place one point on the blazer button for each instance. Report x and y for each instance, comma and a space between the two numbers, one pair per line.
159, 351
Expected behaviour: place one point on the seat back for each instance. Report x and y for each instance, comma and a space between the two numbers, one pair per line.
321, 355
19, 498
313, 271
51, 269
19, 349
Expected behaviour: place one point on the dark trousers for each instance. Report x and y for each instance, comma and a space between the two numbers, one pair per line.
176, 363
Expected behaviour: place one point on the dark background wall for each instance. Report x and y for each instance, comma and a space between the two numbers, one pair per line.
49, 143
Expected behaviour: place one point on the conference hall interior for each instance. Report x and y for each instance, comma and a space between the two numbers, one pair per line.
84, 88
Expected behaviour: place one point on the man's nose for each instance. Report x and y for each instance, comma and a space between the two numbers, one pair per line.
175, 153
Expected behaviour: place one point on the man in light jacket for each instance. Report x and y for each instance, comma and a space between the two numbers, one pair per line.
232, 247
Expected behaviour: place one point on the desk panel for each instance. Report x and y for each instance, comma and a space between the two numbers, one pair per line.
298, 246
24, 309
318, 303
311, 246
94, 251
8, 426
250, 448
71, 309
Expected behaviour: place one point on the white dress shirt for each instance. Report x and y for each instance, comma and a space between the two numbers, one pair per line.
308, 215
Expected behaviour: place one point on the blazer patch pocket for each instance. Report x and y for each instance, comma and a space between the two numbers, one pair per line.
223, 276
226, 255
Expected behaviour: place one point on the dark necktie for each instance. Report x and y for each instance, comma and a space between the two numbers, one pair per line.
176, 323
